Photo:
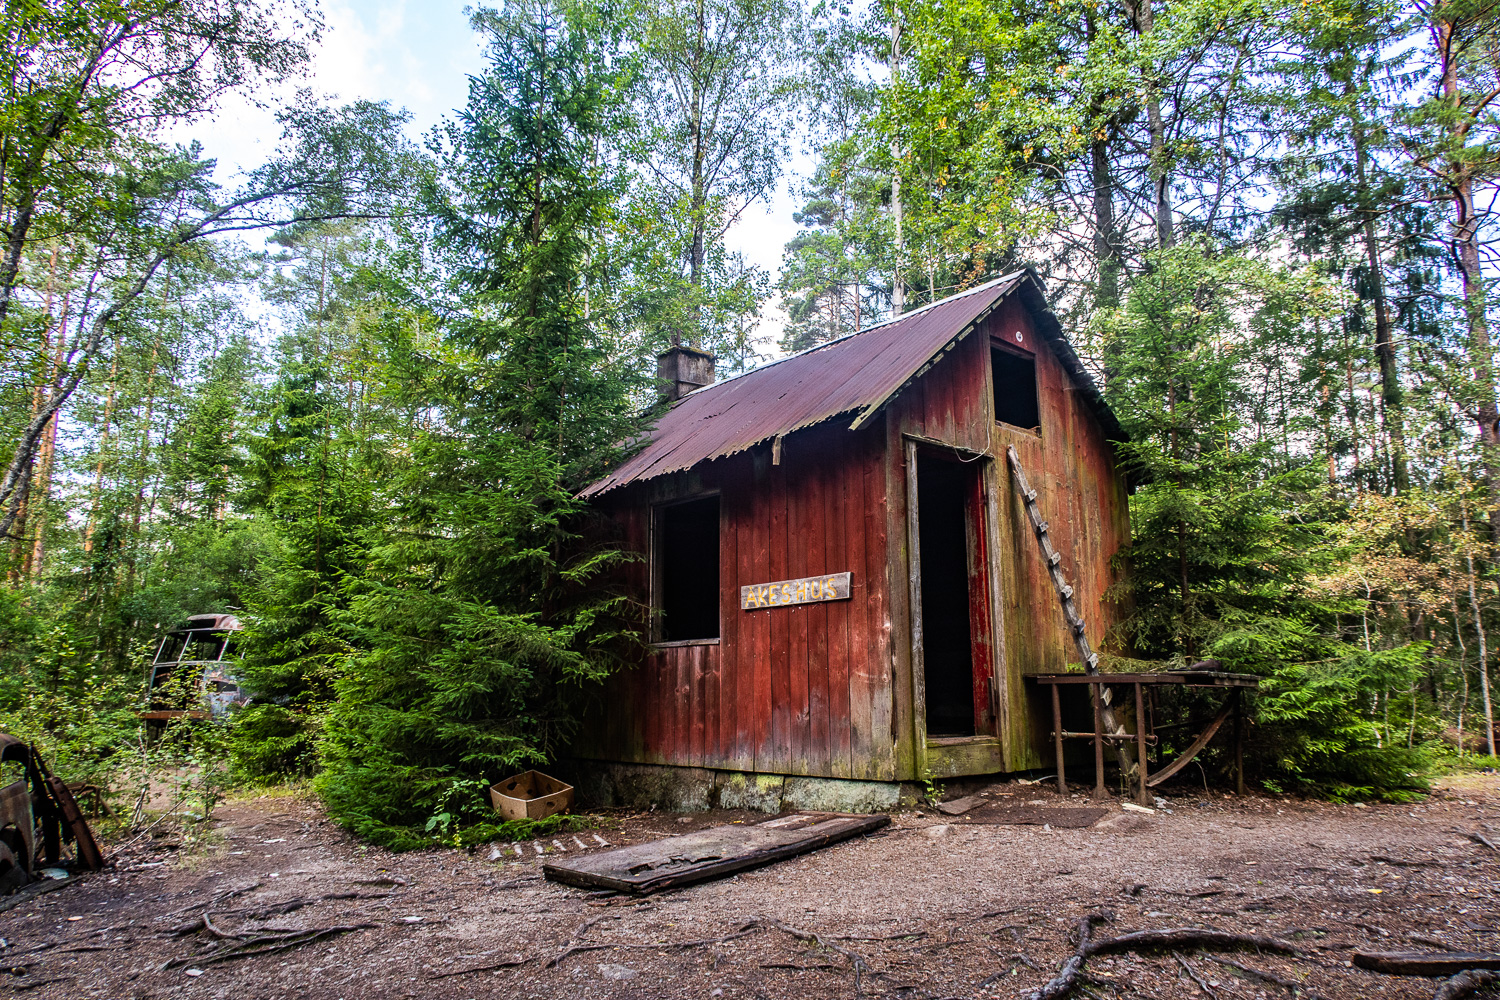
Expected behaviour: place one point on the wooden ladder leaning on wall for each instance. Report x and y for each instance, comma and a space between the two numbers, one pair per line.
1107, 727
1053, 559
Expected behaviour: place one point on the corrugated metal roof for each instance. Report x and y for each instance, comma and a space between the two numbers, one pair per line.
856, 374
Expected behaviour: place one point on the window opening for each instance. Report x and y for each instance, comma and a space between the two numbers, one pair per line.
171, 647
943, 544
688, 563
203, 646
1015, 388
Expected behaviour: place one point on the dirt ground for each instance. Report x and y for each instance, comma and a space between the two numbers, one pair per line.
929, 907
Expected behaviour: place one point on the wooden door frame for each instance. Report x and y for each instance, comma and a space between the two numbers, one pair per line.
987, 513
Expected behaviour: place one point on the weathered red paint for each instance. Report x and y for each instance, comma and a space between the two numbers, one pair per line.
828, 688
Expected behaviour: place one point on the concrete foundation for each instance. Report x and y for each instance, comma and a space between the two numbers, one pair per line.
602, 784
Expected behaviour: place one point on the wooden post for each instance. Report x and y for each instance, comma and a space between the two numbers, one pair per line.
1142, 796
1057, 736
1098, 691
1239, 741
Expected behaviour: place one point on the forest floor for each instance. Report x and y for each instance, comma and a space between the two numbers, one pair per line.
929, 907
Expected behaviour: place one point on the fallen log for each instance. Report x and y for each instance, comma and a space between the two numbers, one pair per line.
1425, 963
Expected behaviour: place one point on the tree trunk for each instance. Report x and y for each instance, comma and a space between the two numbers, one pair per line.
109, 408
1392, 406
1484, 664
1106, 254
1466, 246
1465, 240
42, 489
898, 284
1143, 20
695, 129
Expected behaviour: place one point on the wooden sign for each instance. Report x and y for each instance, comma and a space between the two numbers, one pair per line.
831, 587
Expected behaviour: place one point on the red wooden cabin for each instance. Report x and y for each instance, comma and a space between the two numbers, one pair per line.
866, 478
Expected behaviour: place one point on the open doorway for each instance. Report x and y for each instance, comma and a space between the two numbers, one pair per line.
945, 494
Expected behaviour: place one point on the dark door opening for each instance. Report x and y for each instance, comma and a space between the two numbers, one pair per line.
943, 491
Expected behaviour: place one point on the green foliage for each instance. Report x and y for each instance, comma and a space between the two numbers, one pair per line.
480, 619
1315, 732
269, 743
1226, 548
712, 112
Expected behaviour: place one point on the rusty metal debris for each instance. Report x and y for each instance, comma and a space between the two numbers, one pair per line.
193, 673
38, 803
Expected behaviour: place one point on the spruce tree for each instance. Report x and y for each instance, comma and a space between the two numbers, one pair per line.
482, 613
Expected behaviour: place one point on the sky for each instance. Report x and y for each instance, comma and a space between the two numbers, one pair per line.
419, 56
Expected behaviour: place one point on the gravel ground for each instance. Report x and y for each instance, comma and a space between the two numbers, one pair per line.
930, 907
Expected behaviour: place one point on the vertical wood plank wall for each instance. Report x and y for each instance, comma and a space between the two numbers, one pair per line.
795, 690
1082, 495
827, 689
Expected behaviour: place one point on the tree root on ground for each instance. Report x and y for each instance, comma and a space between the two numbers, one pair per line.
509, 963
1466, 984
1261, 974
1175, 937
576, 944
856, 961
240, 945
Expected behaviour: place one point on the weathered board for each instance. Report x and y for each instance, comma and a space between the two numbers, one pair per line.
1425, 963
709, 854
809, 589
799, 689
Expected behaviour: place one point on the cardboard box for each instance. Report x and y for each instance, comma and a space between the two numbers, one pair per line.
532, 795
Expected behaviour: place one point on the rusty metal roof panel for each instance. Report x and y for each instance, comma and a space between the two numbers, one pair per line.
857, 374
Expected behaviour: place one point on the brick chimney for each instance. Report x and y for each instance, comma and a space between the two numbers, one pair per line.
680, 370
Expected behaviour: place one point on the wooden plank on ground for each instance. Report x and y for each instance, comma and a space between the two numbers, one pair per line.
708, 854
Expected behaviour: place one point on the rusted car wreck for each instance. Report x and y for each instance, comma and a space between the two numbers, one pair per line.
193, 673
35, 807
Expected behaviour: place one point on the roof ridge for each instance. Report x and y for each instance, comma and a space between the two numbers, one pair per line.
1009, 276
